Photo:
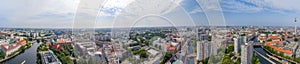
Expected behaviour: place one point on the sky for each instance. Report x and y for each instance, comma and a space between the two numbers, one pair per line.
128, 13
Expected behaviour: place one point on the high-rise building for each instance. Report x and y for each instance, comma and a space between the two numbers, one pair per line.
236, 45
246, 53
203, 50
28, 34
34, 35
244, 39
199, 52
214, 48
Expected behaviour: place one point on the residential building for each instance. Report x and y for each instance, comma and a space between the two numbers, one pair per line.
203, 50
236, 45
246, 53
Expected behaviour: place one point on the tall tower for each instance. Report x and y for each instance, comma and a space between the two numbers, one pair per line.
295, 27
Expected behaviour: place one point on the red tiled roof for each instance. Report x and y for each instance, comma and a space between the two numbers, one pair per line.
61, 41
166, 45
262, 38
274, 37
21, 42
172, 48
278, 49
56, 46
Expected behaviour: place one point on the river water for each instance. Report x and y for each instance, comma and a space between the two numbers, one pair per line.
263, 52
29, 55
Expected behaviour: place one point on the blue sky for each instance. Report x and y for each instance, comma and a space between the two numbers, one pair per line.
61, 13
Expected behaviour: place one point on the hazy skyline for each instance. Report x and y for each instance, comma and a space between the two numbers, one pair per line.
57, 13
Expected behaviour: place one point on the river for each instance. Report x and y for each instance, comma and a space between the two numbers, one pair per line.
263, 52
29, 55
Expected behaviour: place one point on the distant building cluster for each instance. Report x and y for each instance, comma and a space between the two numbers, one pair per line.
9, 43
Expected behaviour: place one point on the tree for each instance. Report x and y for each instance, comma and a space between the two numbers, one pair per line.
67, 60
38, 58
255, 59
22, 48
282, 39
226, 60
143, 54
205, 61
238, 61
2, 54
274, 32
147, 43
296, 39
269, 40
298, 60
167, 56
243, 35
281, 54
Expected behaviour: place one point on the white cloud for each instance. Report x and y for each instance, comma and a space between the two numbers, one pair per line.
30, 12
60, 13
129, 9
196, 10
235, 6
279, 4
114, 7
253, 6
141, 9
213, 12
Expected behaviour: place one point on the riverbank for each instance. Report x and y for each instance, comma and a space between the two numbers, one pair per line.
16, 53
29, 55
280, 56
265, 54
266, 61
7, 58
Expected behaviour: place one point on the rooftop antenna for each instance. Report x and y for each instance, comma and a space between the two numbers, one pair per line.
295, 26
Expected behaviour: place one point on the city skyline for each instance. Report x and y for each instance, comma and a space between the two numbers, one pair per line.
44, 14
149, 32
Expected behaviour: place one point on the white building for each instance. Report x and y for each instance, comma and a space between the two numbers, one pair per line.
85, 48
152, 52
159, 44
10, 48
236, 45
246, 53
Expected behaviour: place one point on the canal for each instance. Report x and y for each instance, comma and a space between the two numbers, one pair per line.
263, 52
262, 60
29, 55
